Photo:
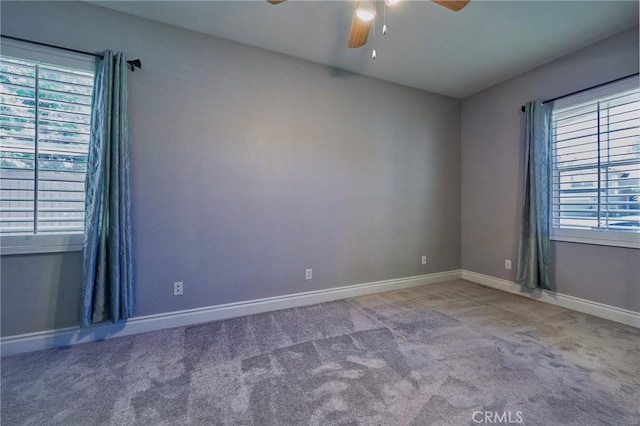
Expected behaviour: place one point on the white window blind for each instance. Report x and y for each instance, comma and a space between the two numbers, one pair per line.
596, 161
45, 113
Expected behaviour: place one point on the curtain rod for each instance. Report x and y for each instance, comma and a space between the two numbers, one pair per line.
133, 63
584, 90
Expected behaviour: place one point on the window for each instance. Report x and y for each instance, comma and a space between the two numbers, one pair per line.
596, 166
45, 112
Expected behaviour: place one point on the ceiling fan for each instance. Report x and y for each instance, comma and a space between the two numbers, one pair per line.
363, 16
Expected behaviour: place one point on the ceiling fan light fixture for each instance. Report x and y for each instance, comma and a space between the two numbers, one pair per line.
365, 14
366, 11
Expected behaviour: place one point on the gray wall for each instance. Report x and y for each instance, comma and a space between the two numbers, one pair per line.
250, 166
492, 156
39, 292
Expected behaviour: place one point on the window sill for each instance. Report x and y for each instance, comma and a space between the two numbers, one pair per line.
596, 241
35, 244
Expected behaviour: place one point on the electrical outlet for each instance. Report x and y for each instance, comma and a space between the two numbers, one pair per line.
507, 264
177, 288
424, 260
308, 274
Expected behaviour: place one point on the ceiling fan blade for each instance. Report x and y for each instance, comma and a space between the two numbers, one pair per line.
454, 5
276, 1
359, 31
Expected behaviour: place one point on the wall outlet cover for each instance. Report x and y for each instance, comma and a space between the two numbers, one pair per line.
178, 288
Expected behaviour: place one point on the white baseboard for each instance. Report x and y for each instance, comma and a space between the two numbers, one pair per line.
601, 310
12, 345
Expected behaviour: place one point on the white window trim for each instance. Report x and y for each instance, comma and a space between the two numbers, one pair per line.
46, 55
34, 244
594, 236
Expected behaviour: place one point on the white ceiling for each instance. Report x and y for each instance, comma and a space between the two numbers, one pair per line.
427, 46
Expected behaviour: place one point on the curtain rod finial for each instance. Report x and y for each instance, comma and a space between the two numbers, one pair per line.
135, 63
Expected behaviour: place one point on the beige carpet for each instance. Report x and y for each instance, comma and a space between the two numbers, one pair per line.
444, 354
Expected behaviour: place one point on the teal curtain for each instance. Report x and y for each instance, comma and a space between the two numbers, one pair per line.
534, 258
107, 291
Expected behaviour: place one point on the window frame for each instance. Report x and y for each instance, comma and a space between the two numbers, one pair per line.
590, 236
47, 243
